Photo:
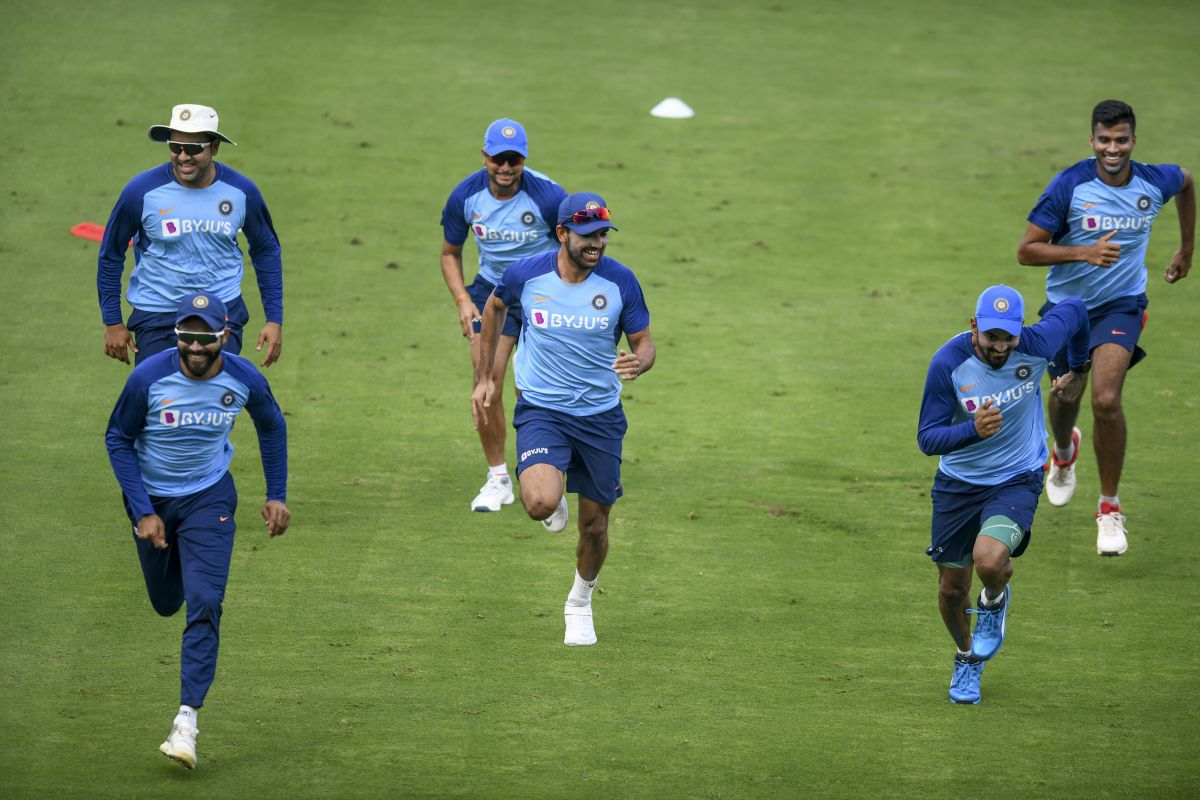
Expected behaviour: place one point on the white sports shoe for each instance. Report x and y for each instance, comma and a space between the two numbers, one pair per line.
1060, 483
495, 493
1110, 531
557, 522
181, 745
580, 630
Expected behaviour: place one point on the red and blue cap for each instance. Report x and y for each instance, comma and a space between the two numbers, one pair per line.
584, 213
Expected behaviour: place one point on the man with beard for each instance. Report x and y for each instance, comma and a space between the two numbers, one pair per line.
508, 207
1091, 227
575, 305
168, 442
982, 413
183, 218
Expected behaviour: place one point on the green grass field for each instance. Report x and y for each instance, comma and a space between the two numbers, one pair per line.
854, 176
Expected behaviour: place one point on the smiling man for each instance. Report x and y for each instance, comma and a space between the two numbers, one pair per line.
183, 218
508, 207
982, 413
168, 442
1091, 227
576, 304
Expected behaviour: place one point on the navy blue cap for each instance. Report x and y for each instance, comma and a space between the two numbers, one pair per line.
582, 201
505, 136
207, 307
1000, 307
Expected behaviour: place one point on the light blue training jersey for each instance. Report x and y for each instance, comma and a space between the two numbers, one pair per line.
570, 331
168, 435
959, 382
1078, 208
185, 241
505, 230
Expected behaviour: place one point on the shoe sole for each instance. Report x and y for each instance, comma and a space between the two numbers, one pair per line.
965, 702
503, 503
178, 759
1111, 553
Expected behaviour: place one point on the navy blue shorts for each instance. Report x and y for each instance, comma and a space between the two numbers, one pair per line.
1120, 322
587, 449
480, 290
154, 331
959, 509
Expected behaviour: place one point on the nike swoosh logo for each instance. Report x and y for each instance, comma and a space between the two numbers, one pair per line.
223, 518
476, 216
166, 210
967, 388
1086, 206
1118, 333
537, 298
168, 402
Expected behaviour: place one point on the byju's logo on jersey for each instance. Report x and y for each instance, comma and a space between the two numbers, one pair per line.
543, 319
975, 402
169, 418
174, 228
1092, 222
485, 234
539, 318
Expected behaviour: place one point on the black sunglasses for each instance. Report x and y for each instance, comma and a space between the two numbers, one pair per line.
510, 159
191, 148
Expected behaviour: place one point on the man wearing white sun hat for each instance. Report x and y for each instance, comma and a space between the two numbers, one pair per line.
183, 218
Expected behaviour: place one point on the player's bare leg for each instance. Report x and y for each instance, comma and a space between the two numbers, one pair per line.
497, 491
1110, 362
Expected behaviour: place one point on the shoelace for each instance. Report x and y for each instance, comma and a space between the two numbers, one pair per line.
989, 620
1111, 522
962, 675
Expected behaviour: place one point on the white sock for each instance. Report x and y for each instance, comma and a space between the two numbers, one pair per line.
987, 598
1065, 455
498, 471
581, 592
187, 716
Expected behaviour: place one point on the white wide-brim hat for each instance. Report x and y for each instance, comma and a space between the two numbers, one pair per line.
190, 118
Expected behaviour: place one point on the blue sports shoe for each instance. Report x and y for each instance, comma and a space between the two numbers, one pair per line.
964, 685
990, 627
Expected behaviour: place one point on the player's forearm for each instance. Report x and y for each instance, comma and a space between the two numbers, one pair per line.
646, 353
1044, 254
452, 274
1185, 206
489, 338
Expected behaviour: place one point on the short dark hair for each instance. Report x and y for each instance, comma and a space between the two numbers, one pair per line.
1111, 113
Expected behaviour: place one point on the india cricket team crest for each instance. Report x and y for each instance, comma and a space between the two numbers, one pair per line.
1001, 305
1143, 203
200, 301
528, 218
227, 399
225, 207
1023, 372
186, 114
508, 132
591, 204
600, 302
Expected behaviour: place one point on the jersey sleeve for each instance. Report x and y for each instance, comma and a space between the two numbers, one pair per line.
271, 428
1051, 210
123, 224
1064, 324
549, 196
126, 422
266, 254
1167, 177
937, 434
454, 219
635, 316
